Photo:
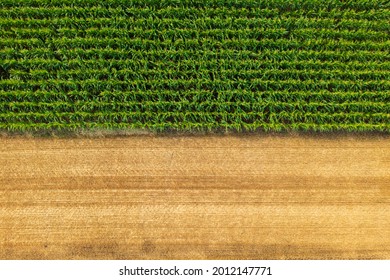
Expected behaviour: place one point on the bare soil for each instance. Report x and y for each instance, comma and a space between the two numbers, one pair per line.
209, 197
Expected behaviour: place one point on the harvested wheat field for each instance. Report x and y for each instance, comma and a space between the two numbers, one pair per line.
198, 197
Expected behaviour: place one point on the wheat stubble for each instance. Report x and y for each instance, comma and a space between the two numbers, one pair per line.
195, 198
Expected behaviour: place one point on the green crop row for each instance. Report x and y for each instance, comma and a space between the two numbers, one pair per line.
96, 57
97, 86
191, 34
189, 106
46, 61
253, 45
280, 5
202, 23
208, 117
193, 126
190, 11
202, 74
240, 96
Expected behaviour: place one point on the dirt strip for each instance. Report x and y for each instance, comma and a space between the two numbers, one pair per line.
211, 197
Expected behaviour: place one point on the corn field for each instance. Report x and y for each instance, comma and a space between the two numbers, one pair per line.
207, 65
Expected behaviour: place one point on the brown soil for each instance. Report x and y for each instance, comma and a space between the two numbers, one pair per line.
146, 197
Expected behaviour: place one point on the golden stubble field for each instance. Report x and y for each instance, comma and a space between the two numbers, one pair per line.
199, 197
